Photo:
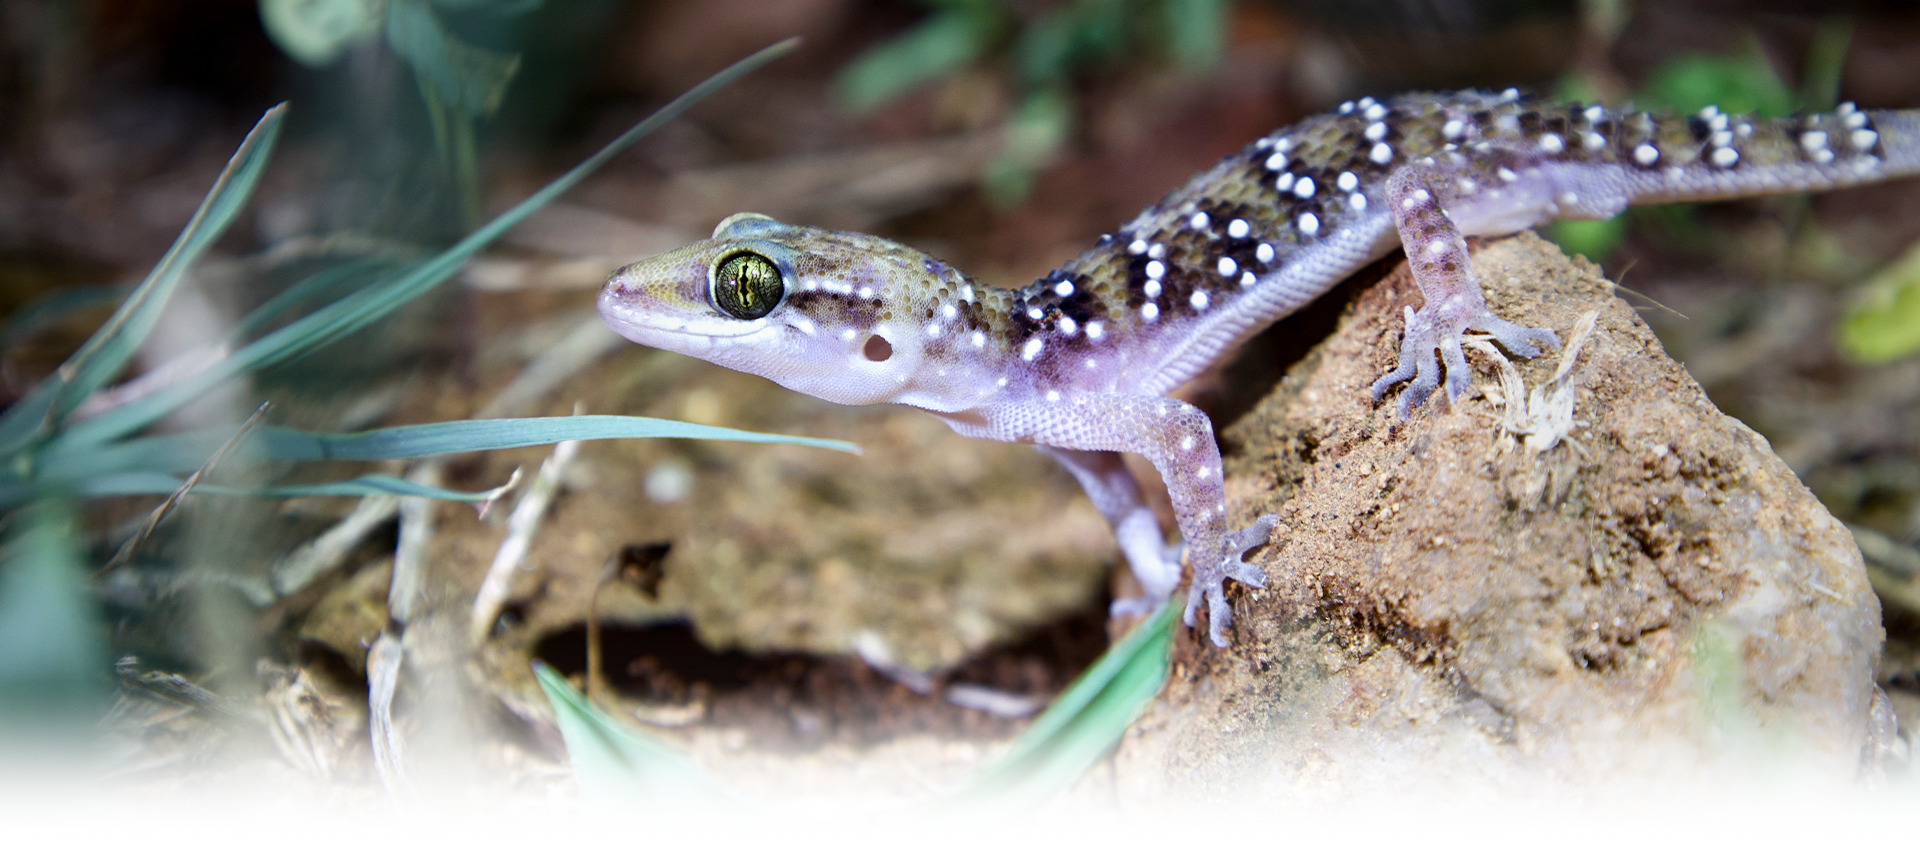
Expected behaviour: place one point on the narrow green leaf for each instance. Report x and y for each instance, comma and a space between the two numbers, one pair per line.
360, 309
1087, 720
320, 283
142, 483
616, 764
54, 664
107, 351
174, 453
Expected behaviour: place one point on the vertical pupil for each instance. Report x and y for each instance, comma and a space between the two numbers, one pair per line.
747, 286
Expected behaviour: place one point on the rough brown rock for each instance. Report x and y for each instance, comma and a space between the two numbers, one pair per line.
1654, 594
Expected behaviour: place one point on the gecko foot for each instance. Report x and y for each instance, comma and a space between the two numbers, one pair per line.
1429, 331
1210, 581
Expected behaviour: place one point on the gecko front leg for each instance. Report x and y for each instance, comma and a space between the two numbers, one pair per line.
1419, 194
1177, 438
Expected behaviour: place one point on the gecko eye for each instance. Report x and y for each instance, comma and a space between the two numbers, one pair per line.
746, 285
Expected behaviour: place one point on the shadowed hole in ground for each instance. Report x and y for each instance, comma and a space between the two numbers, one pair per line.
794, 701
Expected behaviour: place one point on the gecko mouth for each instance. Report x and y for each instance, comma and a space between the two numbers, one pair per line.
619, 315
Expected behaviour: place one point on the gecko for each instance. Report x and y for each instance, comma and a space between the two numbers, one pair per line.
1079, 363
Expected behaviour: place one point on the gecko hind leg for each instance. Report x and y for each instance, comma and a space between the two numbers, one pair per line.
1116, 495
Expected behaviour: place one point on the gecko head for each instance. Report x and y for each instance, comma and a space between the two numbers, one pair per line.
825, 313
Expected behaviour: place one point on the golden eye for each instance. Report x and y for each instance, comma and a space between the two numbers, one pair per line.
747, 285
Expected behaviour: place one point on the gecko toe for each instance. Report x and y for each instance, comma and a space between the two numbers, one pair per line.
1219, 617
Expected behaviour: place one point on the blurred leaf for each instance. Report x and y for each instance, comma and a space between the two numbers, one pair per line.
1736, 85
1196, 32
53, 659
385, 294
315, 32
185, 452
1595, 239
931, 50
614, 763
1820, 86
471, 80
1036, 132
1084, 723
1883, 322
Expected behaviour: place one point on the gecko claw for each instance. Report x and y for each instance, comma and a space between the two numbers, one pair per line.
1425, 337
1210, 582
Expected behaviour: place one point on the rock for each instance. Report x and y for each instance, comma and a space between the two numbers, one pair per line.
1653, 595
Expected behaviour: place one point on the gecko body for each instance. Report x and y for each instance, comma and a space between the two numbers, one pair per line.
1080, 361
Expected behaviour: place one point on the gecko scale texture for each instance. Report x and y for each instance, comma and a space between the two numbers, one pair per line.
1079, 362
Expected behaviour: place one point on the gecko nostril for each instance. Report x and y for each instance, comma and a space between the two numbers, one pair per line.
877, 348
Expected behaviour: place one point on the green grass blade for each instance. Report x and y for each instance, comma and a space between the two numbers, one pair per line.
615, 764
107, 351
54, 665
163, 484
23, 423
357, 311
319, 283
174, 453
1087, 720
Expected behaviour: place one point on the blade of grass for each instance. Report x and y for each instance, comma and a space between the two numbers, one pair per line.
319, 283
1087, 719
357, 311
614, 763
184, 452
107, 351
164, 484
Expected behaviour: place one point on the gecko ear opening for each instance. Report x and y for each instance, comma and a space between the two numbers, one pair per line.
877, 349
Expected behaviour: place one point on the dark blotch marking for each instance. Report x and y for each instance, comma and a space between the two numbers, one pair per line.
877, 349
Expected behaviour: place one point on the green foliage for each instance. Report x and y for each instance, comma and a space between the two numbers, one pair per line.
1883, 322
1083, 724
1049, 51
52, 671
460, 83
634, 782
